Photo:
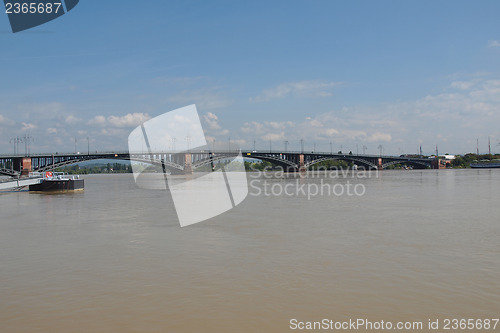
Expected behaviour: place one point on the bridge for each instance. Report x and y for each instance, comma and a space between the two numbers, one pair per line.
187, 162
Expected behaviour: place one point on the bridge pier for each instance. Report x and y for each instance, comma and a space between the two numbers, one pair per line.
22, 165
301, 163
188, 164
26, 166
439, 164
379, 163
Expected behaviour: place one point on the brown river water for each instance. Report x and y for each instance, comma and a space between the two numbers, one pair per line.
416, 245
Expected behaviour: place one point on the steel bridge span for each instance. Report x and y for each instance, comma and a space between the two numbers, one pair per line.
186, 162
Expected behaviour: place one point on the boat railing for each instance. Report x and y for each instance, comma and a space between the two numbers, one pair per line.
49, 175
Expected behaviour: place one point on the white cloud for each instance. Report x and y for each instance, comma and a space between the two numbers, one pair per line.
28, 126
51, 130
379, 137
331, 132
71, 120
299, 88
5, 121
315, 123
274, 136
115, 132
239, 142
129, 120
268, 130
467, 109
348, 134
212, 120
493, 43
452, 118
463, 85
98, 120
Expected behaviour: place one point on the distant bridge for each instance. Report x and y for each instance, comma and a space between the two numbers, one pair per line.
186, 162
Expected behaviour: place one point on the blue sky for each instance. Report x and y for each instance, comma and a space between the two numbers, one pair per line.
355, 73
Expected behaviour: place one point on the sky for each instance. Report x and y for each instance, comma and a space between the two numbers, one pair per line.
348, 75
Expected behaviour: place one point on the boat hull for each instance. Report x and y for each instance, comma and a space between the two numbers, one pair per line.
485, 166
58, 185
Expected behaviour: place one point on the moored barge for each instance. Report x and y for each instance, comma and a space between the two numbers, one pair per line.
58, 181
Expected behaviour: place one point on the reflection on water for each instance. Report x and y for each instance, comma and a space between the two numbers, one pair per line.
417, 245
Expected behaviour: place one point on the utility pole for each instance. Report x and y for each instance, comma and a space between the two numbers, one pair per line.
364, 150
75, 145
229, 143
421, 150
314, 147
27, 139
331, 147
15, 141
270, 146
88, 145
286, 146
302, 146
254, 144
477, 146
437, 151
381, 149
489, 146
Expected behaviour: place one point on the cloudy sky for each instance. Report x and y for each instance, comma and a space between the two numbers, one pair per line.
354, 73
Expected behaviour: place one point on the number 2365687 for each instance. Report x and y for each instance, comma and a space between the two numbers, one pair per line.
32, 7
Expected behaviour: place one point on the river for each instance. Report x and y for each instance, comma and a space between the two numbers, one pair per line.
414, 245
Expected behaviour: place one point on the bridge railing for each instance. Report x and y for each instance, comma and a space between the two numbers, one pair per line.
245, 152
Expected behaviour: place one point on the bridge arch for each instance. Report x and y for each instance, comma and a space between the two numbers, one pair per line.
173, 167
284, 163
214, 158
360, 161
418, 164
